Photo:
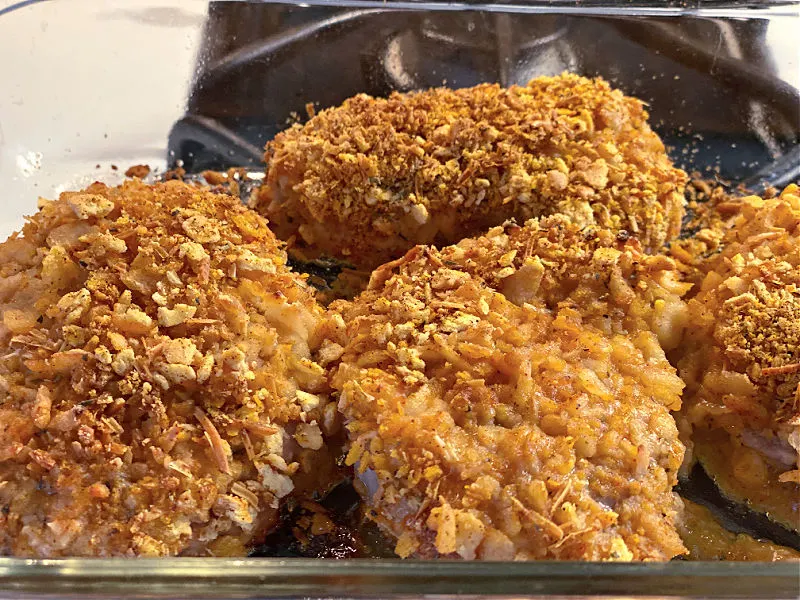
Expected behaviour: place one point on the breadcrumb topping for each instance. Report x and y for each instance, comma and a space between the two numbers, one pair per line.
605, 276
155, 367
483, 429
741, 355
367, 180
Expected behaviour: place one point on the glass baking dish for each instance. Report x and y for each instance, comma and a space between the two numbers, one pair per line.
92, 88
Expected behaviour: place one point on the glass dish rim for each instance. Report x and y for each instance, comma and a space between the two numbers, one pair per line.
271, 577
751, 9
245, 577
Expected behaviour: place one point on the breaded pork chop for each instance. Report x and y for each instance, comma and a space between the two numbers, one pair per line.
158, 395
741, 357
603, 275
483, 429
369, 179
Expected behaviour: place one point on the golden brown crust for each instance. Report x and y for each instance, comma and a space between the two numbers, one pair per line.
369, 179
605, 276
703, 232
741, 355
155, 368
495, 431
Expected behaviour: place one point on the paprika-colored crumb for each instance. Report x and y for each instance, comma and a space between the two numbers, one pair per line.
159, 393
369, 179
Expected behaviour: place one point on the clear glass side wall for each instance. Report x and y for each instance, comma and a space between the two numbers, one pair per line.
718, 78
257, 578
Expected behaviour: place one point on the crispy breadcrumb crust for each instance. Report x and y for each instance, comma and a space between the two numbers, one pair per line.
605, 276
495, 431
703, 231
367, 180
741, 355
158, 389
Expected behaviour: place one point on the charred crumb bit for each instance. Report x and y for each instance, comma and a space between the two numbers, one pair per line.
140, 171
215, 177
176, 174
333, 527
